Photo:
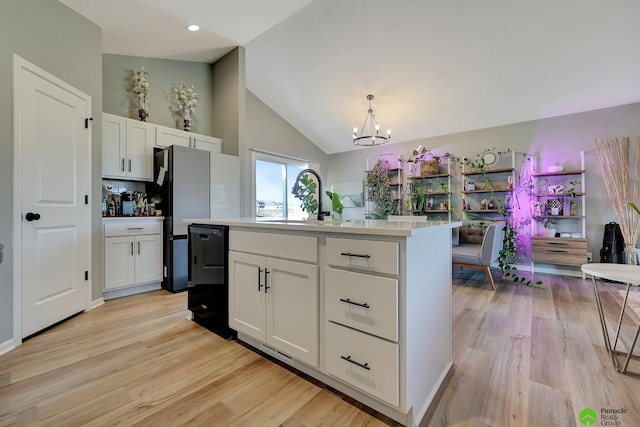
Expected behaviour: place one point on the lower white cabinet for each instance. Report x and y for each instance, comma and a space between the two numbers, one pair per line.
364, 361
275, 301
132, 253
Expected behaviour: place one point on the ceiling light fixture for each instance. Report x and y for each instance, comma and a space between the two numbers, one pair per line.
193, 27
371, 127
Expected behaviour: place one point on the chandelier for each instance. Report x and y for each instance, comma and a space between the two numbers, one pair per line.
370, 132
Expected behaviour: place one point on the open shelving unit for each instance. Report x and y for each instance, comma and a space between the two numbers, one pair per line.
484, 191
568, 245
437, 191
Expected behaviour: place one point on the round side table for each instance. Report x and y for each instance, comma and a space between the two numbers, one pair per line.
629, 275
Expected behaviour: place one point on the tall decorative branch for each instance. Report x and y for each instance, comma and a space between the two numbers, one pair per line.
621, 180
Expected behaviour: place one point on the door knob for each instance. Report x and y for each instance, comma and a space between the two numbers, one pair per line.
30, 216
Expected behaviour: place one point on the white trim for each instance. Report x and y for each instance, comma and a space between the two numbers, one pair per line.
6, 347
96, 303
133, 290
19, 64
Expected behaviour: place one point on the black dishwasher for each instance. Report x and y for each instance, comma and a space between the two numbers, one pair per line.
208, 277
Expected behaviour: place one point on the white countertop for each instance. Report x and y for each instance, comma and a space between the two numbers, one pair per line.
368, 226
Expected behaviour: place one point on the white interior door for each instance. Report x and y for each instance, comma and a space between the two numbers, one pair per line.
53, 160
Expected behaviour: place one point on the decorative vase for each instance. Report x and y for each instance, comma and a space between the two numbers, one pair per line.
186, 118
143, 112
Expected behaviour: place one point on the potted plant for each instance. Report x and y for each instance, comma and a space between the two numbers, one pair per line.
379, 190
429, 163
306, 192
545, 218
418, 195
336, 203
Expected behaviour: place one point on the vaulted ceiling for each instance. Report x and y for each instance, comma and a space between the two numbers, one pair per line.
435, 67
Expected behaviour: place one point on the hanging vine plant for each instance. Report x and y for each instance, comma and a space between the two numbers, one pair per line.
508, 255
379, 190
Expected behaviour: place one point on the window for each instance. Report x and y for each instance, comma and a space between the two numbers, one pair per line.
274, 177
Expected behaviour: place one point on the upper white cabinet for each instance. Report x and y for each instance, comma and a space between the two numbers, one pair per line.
167, 136
127, 148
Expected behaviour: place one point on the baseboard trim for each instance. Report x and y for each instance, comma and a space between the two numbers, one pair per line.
96, 303
125, 292
6, 347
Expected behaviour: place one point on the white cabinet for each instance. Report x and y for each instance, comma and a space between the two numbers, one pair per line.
127, 148
166, 137
273, 300
361, 310
133, 252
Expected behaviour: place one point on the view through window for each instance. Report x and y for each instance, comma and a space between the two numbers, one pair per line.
274, 179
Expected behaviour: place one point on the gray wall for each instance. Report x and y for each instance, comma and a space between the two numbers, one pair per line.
58, 40
229, 99
266, 130
164, 76
552, 140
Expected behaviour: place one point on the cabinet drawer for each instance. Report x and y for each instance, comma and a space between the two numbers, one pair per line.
369, 255
554, 250
362, 301
366, 362
301, 248
133, 227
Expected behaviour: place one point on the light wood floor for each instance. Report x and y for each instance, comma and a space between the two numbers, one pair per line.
522, 357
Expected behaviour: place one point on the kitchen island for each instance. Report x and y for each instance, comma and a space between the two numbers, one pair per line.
363, 306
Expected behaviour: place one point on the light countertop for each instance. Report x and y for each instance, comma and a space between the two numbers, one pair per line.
368, 226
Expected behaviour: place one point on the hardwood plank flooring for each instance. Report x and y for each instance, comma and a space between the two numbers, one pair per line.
523, 356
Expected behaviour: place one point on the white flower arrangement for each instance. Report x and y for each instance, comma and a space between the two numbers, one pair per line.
186, 97
140, 84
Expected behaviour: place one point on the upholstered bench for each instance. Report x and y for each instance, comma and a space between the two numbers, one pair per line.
479, 244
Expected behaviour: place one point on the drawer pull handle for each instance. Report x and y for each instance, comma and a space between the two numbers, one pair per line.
348, 301
356, 255
558, 251
135, 228
259, 282
350, 360
558, 243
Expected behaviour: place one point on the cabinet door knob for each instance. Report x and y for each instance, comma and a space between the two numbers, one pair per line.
31, 216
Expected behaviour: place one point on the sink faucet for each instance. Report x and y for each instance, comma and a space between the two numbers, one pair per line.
321, 213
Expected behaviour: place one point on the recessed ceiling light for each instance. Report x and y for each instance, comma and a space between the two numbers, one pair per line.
193, 27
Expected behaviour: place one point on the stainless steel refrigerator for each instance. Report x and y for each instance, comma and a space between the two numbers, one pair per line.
192, 183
